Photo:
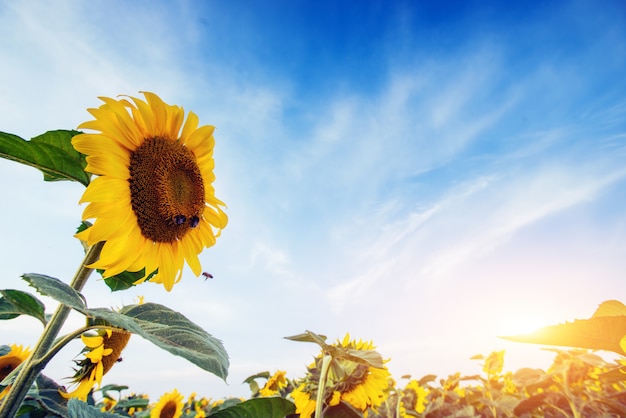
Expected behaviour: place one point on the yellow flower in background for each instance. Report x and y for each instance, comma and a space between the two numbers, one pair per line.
413, 398
170, 405
153, 201
101, 352
9, 361
494, 363
361, 385
274, 384
305, 406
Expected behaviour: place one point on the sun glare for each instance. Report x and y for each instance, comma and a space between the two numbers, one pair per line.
520, 324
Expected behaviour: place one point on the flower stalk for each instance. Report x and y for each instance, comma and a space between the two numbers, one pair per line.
321, 388
38, 359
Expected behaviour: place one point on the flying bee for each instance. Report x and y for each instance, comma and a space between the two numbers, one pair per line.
207, 275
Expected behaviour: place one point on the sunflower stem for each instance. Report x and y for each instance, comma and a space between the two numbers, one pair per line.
321, 387
399, 396
38, 359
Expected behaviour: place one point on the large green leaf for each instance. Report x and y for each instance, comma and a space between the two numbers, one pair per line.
259, 407
51, 152
56, 289
80, 409
8, 310
170, 331
23, 303
597, 333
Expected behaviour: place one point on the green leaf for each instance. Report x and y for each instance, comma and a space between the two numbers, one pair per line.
596, 333
610, 308
24, 304
80, 409
56, 289
126, 279
427, 379
309, 337
7, 310
170, 331
262, 375
51, 152
368, 357
260, 407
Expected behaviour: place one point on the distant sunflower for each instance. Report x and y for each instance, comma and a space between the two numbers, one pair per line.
356, 383
274, 384
153, 201
101, 352
413, 399
170, 405
9, 361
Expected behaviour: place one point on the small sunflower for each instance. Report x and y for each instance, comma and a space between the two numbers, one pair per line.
153, 201
8, 362
101, 352
170, 405
413, 399
362, 386
274, 384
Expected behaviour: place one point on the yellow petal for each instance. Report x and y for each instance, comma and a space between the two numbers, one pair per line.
92, 341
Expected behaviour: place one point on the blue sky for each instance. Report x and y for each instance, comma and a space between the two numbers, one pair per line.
427, 175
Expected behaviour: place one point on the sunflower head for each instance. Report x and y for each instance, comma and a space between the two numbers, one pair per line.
13, 356
101, 352
153, 201
170, 405
356, 382
274, 384
413, 398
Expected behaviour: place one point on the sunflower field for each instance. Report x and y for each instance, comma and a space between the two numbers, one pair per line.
151, 209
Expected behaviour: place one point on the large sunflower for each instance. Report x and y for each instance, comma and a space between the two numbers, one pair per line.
153, 201
358, 384
13, 357
101, 352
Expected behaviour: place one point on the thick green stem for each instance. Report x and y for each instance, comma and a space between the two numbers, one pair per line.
34, 364
321, 387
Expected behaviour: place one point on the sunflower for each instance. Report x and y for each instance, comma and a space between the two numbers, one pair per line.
274, 384
9, 361
361, 385
413, 399
101, 352
170, 405
153, 201
305, 406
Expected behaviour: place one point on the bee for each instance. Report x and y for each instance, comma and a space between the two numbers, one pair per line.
207, 275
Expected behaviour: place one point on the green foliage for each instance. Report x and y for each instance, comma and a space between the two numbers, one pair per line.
79, 409
170, 331
126, 279
51, 152
260, 407
367, 357
45, 401
16, 302
603, 331
56, 289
